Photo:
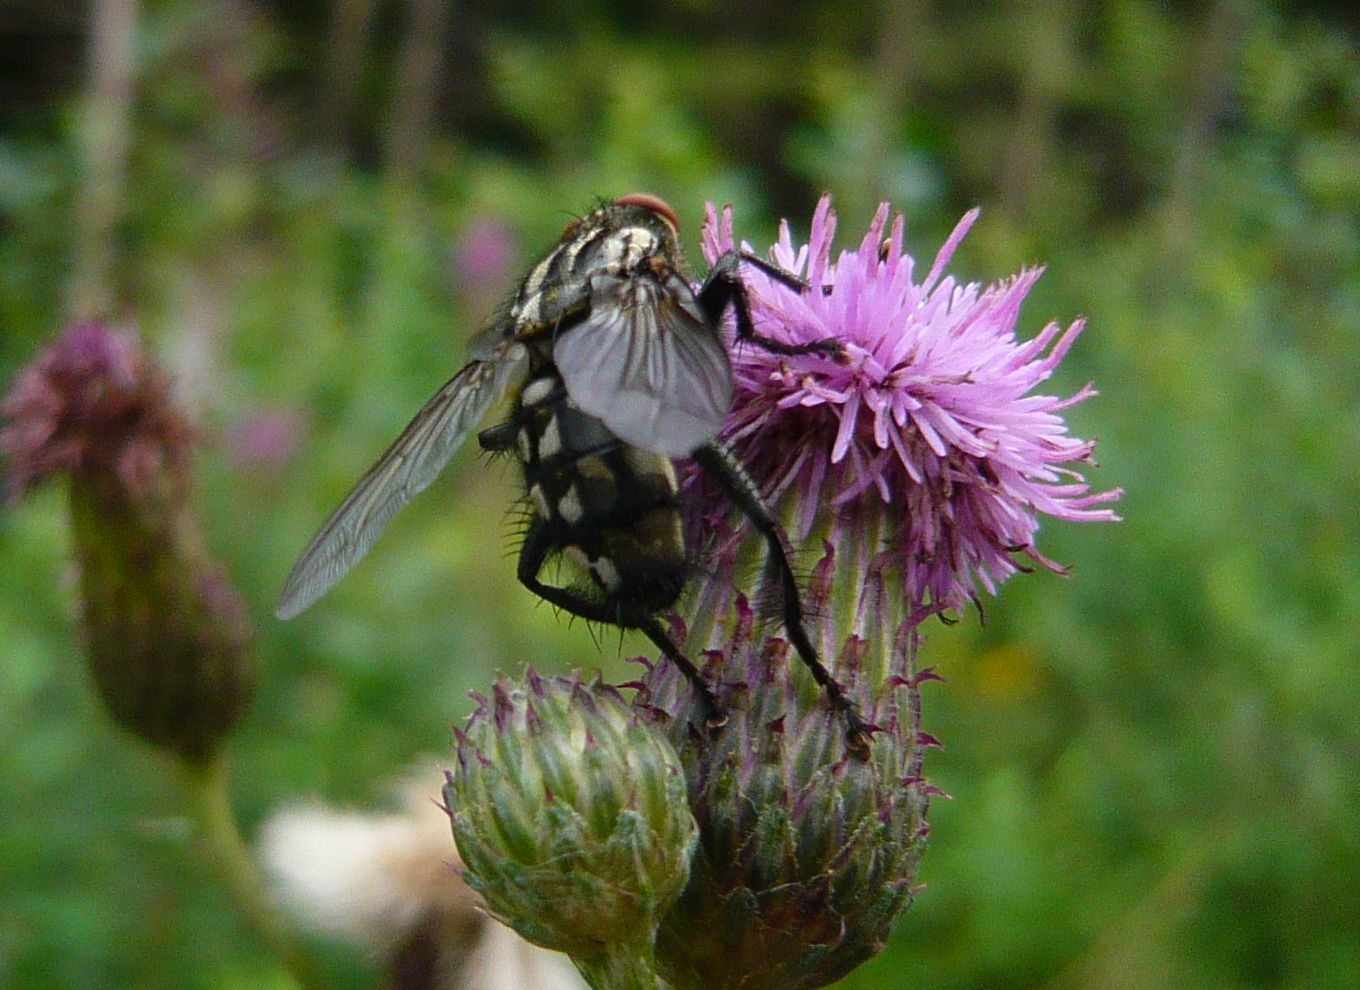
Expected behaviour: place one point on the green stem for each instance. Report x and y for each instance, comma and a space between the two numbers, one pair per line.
622, 966
206, 784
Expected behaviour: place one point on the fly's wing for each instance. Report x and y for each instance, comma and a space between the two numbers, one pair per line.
404, 470
646, 362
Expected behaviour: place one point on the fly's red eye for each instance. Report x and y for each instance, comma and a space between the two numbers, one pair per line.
654, 203
572, 228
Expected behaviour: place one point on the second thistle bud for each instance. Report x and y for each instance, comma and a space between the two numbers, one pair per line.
168, 640
571, 817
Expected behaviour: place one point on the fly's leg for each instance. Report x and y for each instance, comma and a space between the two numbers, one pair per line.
537, 547
723, 287
499, 439
724, 467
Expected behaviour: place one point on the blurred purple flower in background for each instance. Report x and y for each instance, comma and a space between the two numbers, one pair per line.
264, 441
92, 404
483, 257
168, 640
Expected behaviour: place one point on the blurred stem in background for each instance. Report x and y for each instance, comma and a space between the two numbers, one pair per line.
206, 784
104, 137
1045, 77
890, 85
351, 22
1209, 88
419, 65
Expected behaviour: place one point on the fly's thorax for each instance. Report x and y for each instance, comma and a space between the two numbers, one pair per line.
611, 240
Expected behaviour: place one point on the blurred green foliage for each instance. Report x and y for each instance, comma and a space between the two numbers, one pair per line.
1153, 765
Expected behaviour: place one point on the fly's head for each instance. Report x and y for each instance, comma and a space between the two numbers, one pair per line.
631, 234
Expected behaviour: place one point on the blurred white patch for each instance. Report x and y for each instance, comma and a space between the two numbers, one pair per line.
501, 960
390, 883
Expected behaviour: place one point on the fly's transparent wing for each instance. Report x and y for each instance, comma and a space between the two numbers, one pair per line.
404, 470
645, 361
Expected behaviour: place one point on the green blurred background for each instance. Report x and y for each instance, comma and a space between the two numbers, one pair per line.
307, 207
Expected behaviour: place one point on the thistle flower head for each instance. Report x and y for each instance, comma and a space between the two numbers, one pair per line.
931, 415
570, 814
167, 638
906, 475
807, 853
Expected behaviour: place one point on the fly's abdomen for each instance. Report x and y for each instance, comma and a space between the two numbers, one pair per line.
611, 509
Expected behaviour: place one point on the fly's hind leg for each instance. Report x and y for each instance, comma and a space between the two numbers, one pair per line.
724, 467
535, 553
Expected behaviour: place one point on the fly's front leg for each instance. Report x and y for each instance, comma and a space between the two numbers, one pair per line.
723, 287
724, 467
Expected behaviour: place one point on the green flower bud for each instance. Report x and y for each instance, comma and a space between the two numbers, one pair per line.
168, 640
570, 814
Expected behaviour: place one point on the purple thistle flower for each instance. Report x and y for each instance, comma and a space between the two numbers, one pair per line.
168, 640
931, 414
906, 474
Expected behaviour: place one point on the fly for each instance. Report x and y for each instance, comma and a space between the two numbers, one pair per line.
615, 366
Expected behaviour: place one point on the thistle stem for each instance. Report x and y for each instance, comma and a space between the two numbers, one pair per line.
205, 781
622, 966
